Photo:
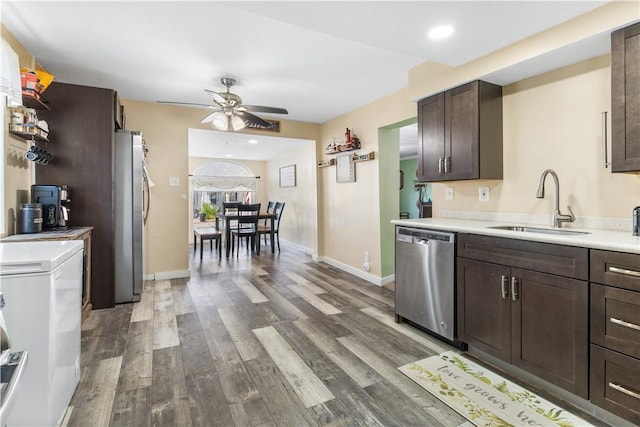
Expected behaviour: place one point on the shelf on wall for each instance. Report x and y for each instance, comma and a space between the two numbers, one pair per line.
31, 102
28, 132
352, 158
326, 163
363, 157
339, 150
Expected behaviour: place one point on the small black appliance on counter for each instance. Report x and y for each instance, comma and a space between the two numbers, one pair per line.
30, 218
55, 204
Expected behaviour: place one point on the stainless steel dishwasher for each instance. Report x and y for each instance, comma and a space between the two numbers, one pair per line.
425, 285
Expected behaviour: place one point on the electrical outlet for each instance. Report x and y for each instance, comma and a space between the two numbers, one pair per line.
448, 193
174, 181
366, 256
483, 194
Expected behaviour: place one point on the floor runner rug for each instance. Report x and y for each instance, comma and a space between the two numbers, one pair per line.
483, 397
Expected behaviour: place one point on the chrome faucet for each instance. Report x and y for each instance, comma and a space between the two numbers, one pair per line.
557, 218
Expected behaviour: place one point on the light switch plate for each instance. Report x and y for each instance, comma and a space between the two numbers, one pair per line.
448, 193
483, 194
174, 181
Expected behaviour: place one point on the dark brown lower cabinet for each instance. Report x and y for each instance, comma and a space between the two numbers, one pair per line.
533, 320
549, 329
615, 382
615, 333
484, 316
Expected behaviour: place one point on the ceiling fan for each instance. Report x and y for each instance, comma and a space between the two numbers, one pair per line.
230, 113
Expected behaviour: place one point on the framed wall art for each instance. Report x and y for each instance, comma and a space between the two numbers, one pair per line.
345, 169
288, 176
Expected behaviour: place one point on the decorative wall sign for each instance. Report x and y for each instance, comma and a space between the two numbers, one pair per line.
326, 163
345, 169
288, 176
275, 126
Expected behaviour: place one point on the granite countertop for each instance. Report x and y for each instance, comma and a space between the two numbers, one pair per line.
596, 239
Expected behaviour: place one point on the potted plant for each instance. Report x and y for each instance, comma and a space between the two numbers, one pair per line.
207, 211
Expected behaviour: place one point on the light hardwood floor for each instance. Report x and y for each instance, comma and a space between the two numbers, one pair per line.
269, 340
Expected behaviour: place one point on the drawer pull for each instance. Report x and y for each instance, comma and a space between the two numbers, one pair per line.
514, 288
624, 271
625, 324
621, 389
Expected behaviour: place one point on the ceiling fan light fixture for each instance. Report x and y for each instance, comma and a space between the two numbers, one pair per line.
237, 123
220, 121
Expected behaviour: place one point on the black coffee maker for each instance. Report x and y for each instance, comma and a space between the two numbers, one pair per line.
55, 204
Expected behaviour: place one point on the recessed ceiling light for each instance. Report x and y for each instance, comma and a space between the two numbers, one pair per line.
440, 32
228, 155
253, 141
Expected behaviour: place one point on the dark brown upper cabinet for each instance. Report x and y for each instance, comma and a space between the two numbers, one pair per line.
625, 99
460, 134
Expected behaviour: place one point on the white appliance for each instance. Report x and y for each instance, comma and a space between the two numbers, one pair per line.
130, 214
42, 286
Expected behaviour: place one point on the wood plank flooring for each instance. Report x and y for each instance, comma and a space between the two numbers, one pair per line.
269, 340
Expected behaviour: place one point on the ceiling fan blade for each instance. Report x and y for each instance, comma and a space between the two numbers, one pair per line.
188, 103
253, 119
263, 109
209, 117
217, 97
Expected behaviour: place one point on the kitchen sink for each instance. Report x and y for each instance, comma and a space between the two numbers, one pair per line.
525, 229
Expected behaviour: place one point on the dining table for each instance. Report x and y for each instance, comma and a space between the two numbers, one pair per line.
227, 226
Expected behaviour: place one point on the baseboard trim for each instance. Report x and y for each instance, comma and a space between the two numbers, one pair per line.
378, 281
388, 279
304, 249
167, 275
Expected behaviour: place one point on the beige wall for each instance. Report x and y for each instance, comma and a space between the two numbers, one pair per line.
350, 212
299, 223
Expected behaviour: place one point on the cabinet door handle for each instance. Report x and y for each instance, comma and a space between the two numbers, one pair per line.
605, 155
624, 390
505, 287
624, 271
447, 161
440, 163
514, 288
625, 324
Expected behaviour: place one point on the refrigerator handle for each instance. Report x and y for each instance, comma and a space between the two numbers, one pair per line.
145, 200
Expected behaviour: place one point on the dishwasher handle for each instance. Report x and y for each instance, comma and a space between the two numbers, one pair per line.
416, 235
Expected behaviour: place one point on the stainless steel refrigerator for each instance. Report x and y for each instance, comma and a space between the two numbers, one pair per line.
129, 186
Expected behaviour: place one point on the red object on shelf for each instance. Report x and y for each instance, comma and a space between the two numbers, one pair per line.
29, 80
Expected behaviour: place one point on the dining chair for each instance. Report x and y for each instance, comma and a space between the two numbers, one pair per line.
270, 206
266, 229
246, 226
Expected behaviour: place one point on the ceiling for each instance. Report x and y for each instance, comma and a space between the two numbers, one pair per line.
318, 59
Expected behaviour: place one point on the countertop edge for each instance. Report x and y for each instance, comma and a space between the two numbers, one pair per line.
596, 239
70, 234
